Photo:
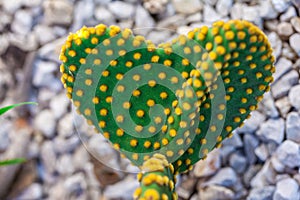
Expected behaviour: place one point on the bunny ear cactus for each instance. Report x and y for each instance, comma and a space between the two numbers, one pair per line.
165, 107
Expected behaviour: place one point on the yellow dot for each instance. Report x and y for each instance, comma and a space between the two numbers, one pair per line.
128, 64
174, 79
258, 75
168, 63
120, 118
229, 35
133, 142
138, 128
165, 141
151, 194
106, 135
241, 72
88, 82
119, 76
164, 128
122, 52
102, 124
213, 55
150, 102
197, 49
242, 110
140, 113
244, 100
103, 112
147, 144
252, 65
183, 124
184, 74
169, 153
97, 62
87, 112
156, 145
113, 63
79, 93
109, 99
147, 67
162, 75
126, 105
109, 52
136, 93
137, 56
173, 132
185, 62
72, 68
135, 156
241, 35
249, 91
120, 42
208, 46
202, 118
120, 132
94, 40
154, 59
243, 80
197, 83
152, 83
136, 77
103, 88
152, 129
167, 111
106, 42
226, 80
171, 120
230, 89
157, 120
221, 50
105, 73
72, 53
178, 111
120, 88
237, 119
220, 116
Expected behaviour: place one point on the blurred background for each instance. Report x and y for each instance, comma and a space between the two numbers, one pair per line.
260, 162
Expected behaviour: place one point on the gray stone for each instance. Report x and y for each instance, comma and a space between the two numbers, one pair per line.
64, 165
280, 177
22, 23
264, 177
237, 11
80, 157
121, 10
11, 6
267, 106
213, 192
58, 12
238, 162
295, 43
271, 25
48, 156
284, 84
223, 7
293, 127
123, 189
209, 166
171, 22
265, 193
286, 189
251, 13
76, 186
45, 123
210, 15
276, 43
288, 153
226, 177
66, 145
4, 135
24, 42
44, 34
280, 5
210, 2
104, 16
43, 73
4, 40
283, 65
225, 153
155, 6
250, 143
285, 29
291, 12
262, 152
159, 36
234, 141
84, 14
277, 165
34, 191
59, 105
272, 130
295, 21
283, 106
288, 52
65, 126
143, 21
266, 10
250, 173
187, 6
252, 123
197, 17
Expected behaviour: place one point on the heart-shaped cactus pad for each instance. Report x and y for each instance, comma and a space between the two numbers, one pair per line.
179, 99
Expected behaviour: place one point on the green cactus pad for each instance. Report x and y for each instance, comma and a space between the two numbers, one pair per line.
207, 83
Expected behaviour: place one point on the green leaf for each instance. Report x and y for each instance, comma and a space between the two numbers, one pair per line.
7, 108
12, 161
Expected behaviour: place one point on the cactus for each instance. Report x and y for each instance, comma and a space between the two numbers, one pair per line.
208, 82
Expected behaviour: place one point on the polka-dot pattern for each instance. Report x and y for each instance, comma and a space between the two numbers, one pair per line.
226, 68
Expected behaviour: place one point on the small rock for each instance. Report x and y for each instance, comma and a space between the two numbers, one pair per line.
143, 21
225, 153
250, 173
285, 29
210, 15
59, 105
286, 189
280, 177
194, 18
252, 124
266, 10
293, 127
238, 162
267, 105
265, 193
186, 188
234, 141
45, 122
281, 87
262, 152
127, 9
43, 73
104, 16
288, 153
76, 186
223, 7
58, 12
64, 165
22, 23
291, 12
283, 65
65, 126
123, 189
209, 166
34, 191
284, 106
24, 42
271, 25
214, 192
44, 34
295, 43
295, 21
276, 43
210, 2
4, 135
66, 145
80, 157
288, 52
281, 5
264, 177
225, 177
84, 14
251, 13
237, 11
277, 165
272, 130
187, 7
48, 156
11, 6
155, 6
159, 36
250, 144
